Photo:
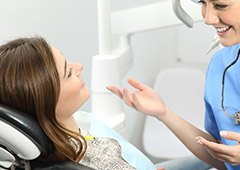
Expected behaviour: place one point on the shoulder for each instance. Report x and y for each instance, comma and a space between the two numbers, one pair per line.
226, 54
223, 57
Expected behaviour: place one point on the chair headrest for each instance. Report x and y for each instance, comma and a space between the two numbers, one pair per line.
21, 135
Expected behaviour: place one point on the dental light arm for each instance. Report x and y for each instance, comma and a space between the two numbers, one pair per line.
187, 20
181, 14
152, 16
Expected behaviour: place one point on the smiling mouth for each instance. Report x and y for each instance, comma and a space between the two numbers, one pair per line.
222, 30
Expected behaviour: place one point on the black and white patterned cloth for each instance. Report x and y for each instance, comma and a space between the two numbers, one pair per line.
104, 154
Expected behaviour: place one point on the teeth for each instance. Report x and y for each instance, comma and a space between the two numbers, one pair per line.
222, 29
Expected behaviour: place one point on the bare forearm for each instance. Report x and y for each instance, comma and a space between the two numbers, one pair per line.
187, 133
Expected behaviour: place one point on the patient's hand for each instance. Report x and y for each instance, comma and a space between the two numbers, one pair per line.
144, 99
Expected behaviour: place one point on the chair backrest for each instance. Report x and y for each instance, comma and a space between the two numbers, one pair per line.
182, 90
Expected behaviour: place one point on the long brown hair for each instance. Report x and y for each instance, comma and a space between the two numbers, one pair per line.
29, 81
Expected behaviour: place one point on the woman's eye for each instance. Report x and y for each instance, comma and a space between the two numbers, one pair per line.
70, 72
200, 2
220, 6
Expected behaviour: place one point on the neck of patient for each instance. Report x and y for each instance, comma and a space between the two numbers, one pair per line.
69, 123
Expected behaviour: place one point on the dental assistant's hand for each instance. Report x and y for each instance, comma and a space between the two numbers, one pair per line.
224, 153
144, 99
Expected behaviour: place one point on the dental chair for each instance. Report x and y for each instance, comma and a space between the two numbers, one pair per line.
22, 141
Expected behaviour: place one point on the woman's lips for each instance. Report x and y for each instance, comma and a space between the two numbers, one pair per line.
222, 30
82, 83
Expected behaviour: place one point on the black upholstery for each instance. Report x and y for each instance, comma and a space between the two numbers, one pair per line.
66, 165
28, 126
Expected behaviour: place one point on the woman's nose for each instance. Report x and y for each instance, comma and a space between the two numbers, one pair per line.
210, 16
78, 69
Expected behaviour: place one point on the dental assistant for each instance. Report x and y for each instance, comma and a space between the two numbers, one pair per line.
220, 145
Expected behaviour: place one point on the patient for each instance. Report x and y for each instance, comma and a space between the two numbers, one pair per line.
36, 79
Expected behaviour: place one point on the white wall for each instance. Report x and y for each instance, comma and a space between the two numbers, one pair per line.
71, 25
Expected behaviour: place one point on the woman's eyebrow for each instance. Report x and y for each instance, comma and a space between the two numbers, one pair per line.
65, 69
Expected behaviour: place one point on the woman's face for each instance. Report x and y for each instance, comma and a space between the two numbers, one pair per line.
224, 16
73, 92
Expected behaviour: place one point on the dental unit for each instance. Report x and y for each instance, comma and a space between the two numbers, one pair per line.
109, 66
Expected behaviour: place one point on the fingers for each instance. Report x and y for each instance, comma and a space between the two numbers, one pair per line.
136, 102
230, 135
218, 156
221, 152
215, 147
136, 84
221, 148
116, 91
160, 168
232, 158
123, 94
127, 97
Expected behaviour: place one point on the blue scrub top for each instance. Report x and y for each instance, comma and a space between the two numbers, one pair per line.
215, 119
